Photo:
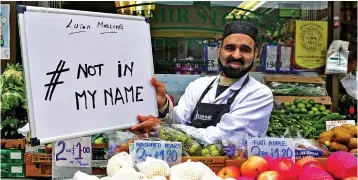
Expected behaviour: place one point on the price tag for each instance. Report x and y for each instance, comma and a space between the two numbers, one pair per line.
169, 152
73, 152
271, 58
212, 58
332, 124
285, 58
274, 147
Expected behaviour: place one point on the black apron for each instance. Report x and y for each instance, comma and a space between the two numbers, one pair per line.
205, 114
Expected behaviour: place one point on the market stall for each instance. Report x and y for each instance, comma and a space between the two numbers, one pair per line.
80, 138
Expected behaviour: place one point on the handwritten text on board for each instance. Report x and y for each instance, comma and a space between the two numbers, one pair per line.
169, 152
332, 124
274, 147
73, 152
87, 98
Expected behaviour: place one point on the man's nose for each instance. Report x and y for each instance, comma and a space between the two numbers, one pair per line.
237, 54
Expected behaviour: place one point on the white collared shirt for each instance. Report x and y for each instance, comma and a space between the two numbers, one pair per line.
249, 113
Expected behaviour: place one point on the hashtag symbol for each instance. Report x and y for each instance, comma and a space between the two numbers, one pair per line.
54, 79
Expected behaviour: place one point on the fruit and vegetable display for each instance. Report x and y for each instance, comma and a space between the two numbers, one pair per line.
303, 116
13, 102
340, 165
341, 138
296, 89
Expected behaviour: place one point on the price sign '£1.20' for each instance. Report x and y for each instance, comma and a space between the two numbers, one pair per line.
274, 147
73, 152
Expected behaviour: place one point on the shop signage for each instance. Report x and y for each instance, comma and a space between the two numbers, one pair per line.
169, 152
274, 147
205, 18
311, 43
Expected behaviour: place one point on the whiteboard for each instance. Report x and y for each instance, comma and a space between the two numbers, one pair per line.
57, 44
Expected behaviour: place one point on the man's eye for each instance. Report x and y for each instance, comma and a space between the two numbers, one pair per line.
229, 48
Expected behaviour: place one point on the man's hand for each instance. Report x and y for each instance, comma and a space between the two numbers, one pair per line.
147, 123
160, 92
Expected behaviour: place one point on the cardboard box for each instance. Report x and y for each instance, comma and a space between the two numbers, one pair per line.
12, 170
12, 143
215, 163
37, 158
38, 170
99, 146
12, 156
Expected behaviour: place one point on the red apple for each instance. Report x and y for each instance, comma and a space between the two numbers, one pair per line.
254, 166
229, 172
351, 178
314, 164
269, 160
270, 175
286, 167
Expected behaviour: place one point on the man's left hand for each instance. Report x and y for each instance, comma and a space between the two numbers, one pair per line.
147, 123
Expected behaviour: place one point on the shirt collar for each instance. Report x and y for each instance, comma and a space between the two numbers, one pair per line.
235, 84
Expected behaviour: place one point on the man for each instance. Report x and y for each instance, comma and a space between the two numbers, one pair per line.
221, 106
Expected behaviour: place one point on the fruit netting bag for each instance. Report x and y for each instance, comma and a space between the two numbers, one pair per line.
128, 173
169, 133
153, 167
118, 141
83, 176
119, 161
191, 171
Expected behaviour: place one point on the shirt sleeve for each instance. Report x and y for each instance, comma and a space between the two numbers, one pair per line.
250, 117
181, 114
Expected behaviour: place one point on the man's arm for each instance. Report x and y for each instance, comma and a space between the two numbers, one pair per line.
180, 114
250, 117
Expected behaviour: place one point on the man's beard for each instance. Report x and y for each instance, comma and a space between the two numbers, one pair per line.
232, 72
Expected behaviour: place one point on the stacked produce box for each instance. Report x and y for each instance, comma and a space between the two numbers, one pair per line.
13, 115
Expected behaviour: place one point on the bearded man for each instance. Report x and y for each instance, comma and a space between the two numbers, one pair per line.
224, 105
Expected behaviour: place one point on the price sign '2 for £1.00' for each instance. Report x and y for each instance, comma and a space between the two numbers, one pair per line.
73, 152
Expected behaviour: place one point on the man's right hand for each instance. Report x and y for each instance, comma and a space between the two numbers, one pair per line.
161, 92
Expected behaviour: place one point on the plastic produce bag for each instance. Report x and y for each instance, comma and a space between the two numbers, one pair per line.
168, 133
296, 89
307, 147
235, 145
210, 147
337, 57
350, 84
118, 141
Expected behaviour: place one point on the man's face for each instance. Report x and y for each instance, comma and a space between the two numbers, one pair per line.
236, 55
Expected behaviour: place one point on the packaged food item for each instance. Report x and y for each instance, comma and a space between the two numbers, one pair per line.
118, 141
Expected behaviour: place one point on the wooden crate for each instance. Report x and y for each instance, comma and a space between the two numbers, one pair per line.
215, 163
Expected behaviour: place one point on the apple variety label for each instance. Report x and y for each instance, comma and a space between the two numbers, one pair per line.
73, 152
332, 124
274, 147
169, 152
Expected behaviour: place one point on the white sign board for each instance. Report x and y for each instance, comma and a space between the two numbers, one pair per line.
169, 152
86, 72
73, 152
212, 57
274, 147
332, 124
